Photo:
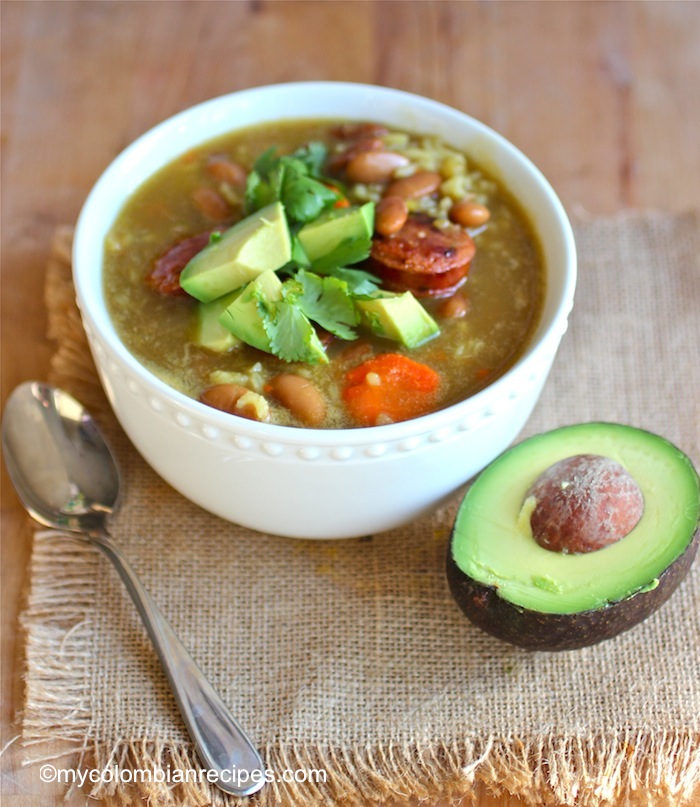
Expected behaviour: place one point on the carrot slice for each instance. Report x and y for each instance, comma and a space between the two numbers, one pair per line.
390, 388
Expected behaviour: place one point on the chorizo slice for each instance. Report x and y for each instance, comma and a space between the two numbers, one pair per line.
421, 247
164, 277
422, 258
421, 284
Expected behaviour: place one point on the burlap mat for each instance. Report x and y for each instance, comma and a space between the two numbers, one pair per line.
351, 656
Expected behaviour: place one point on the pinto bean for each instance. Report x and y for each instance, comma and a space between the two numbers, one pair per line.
223, 396
453, 307
469, 214
351, 131
419, 184
211, 203
237, 400
390, 216
339, 161
300, 396
226, 170
375, 166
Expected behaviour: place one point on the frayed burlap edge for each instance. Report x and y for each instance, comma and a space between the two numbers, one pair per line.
617, 770
627, 767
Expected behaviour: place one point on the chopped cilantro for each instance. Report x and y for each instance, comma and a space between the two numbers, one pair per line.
327, 301
358, 281
292, 179
348, 251
306, 297
264, 182
303, 197
266, 162
292, 336
313, 155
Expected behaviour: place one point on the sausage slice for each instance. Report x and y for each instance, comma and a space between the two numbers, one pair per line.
422, 258
164, 277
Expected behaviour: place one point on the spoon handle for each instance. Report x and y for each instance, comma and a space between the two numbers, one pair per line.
221, 743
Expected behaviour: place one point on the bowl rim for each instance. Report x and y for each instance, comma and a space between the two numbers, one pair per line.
432, 422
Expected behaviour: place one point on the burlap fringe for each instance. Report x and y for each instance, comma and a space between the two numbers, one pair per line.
58, 642
623, 770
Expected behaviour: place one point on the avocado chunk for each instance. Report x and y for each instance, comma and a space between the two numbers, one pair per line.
208, 332
339, 237
523, 592
243, 318
397, 316
254, 245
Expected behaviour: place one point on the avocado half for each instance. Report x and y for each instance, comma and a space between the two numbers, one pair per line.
513, 588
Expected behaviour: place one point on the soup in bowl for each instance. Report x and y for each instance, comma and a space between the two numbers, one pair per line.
317, 309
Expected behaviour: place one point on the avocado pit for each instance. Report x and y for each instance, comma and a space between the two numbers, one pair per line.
583, 503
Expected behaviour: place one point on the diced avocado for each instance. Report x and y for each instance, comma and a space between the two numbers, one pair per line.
399, 317
242, 317
516, 588
254, 245
339, 237
208, 332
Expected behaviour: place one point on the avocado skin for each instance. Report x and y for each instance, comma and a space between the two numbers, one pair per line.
535, 630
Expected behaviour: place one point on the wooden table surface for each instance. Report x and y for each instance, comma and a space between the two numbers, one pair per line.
603, 96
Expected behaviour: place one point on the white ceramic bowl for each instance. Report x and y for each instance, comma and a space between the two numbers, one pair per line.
311, 483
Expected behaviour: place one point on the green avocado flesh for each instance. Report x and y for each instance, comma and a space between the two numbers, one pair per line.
255, 244
492, 541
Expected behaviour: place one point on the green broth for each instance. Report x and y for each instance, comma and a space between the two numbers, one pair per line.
504, 288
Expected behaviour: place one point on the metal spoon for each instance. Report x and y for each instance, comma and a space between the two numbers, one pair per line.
67, 478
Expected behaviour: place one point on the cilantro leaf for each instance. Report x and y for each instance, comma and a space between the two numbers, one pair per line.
266, 162
303, 197
313, 155
263, 189
359, 282
264, 182
349, 251
326, 301
294, 180
292, 336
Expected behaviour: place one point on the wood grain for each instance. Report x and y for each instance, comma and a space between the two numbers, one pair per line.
603, 96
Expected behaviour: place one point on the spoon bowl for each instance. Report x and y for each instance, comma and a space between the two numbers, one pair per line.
67, 478
61, 467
